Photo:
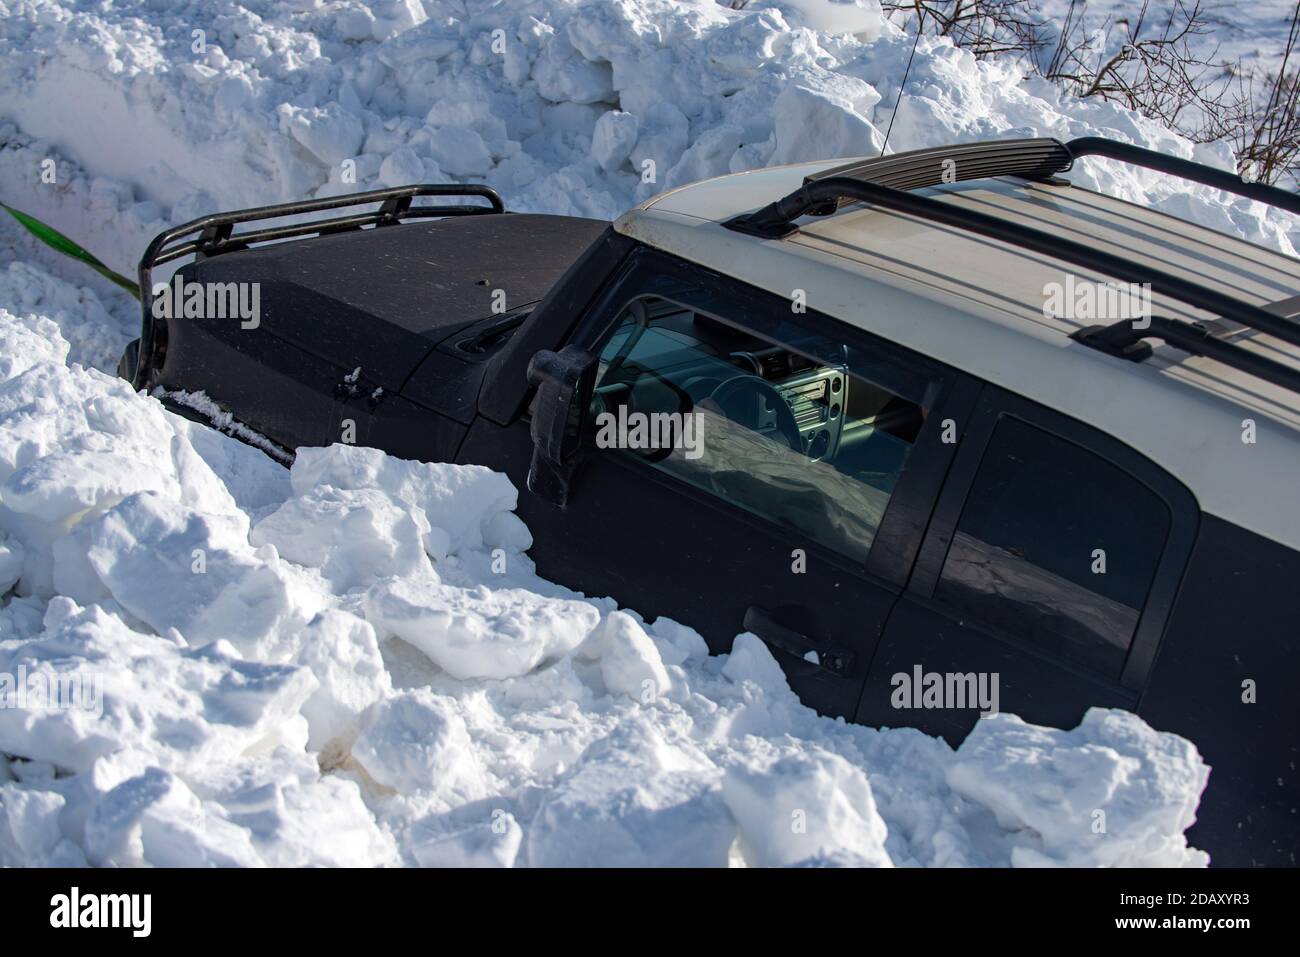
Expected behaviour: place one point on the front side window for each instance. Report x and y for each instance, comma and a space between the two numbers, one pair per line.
1056, 546
805, 431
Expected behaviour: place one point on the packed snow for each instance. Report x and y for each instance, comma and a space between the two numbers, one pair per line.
150, 117
352, 661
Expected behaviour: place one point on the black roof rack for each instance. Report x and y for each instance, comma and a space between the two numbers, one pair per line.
1185, 169
216, 235
1127, 341
1039, 159
926, 167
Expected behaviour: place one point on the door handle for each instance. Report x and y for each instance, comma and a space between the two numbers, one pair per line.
825, 655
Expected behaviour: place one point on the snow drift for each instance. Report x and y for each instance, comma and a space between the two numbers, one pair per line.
149, 118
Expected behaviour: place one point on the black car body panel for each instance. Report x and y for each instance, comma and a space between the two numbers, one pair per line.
1232, 638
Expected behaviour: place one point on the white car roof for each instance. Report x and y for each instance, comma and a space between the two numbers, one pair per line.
977, 304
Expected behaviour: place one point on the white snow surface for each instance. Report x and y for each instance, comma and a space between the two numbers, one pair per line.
152, 114
353, 662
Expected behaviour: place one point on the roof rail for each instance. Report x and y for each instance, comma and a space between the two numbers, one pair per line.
1186, 169
216, 235
776, 220
1038, 159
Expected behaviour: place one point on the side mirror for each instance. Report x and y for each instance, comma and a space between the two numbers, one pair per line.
564, 382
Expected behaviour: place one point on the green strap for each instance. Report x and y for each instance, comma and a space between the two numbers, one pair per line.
56, 240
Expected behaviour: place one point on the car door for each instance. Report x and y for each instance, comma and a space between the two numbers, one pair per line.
1046, 576
794, 512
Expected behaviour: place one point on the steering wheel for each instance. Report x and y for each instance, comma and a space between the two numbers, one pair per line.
738, 398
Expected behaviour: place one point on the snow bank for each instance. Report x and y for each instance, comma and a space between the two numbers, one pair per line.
354, 663
92, 334
149, 117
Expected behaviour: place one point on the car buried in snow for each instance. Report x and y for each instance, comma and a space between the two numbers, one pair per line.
897, 417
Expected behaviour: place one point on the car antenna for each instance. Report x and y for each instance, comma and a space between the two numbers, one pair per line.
920, 24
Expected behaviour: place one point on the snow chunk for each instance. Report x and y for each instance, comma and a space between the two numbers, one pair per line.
418, 742
863, 18
820, 116
613, 138
26, 341
1112, 790
176, 567
629, 661
564, 76
29, 826
342, 653
401, 168
751, 660
494, 843
807, 809
294, 816
331, 133
480, 632
634, 800
154, 819
394, 17
460, 151
678, 643
11, 563
461, 499
184, 707
353, 536
72, 322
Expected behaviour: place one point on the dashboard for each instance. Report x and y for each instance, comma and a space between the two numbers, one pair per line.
675, 359
816, 394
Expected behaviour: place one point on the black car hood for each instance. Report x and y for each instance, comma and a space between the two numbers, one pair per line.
383, 298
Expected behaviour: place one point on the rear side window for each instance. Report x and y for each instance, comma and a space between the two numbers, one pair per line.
1055, 546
